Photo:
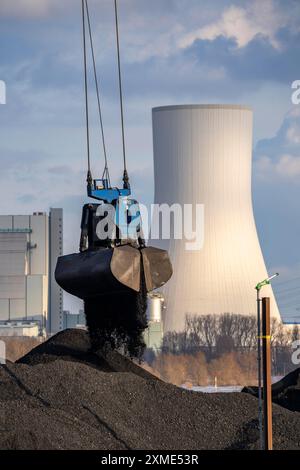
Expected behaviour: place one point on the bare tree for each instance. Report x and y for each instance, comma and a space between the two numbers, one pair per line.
216, 335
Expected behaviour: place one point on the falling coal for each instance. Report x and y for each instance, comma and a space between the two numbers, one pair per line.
118, 321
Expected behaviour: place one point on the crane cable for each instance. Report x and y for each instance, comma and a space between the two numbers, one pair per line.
106, 171
125, 174
85, 12
89, 175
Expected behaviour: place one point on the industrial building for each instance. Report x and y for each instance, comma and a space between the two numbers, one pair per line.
202, 155
154, 333
31, 302
74, 320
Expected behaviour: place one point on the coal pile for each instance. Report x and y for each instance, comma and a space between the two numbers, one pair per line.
285, 392
63, 396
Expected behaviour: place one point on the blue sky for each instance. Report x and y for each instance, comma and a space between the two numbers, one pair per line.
173, 52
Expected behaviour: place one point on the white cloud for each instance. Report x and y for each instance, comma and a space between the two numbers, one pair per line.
293, 134
263, 167
37, 8
147, 43
243, 24
285, 167
23, 8
288, 166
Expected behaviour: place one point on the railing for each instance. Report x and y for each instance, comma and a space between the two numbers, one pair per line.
15, 230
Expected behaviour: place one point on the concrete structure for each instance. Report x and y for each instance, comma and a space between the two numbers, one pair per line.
56, 320
73, 320
29, 297
202, 154
26, 328
154, 333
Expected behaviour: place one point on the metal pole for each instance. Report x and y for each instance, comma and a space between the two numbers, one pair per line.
259, 375
268, 438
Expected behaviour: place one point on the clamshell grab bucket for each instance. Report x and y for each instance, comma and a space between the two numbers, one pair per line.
157, 267
112, 270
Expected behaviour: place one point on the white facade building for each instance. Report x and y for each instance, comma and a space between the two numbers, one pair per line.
203, 154
30, 300
56, 317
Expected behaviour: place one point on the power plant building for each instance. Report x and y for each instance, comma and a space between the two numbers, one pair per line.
31, 302
203, 155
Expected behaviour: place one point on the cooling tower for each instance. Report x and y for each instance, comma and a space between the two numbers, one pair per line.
202, 155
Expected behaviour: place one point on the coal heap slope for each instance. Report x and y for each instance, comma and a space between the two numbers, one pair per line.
74, 345
60, 396
285, 392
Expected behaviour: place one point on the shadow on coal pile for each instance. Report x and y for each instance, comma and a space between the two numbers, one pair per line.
74, 345
248, 438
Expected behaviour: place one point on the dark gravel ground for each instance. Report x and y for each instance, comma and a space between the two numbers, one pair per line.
61, 396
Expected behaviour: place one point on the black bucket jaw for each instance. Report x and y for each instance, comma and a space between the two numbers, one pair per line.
112, 270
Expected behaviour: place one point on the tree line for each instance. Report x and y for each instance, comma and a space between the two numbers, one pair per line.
221, 345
